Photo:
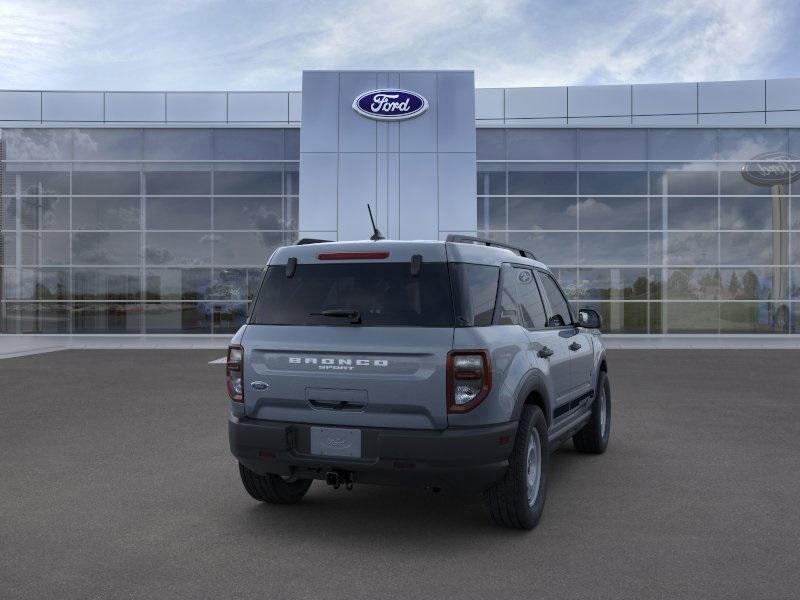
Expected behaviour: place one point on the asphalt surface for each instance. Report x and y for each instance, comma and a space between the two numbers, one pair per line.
116, 482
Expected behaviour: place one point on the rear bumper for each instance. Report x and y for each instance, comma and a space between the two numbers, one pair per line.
464, 459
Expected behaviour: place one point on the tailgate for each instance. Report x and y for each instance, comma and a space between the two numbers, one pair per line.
352, 376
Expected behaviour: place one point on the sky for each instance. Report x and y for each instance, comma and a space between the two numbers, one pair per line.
265, 45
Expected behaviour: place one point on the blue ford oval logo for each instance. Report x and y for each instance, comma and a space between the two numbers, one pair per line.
390, 105
259, 385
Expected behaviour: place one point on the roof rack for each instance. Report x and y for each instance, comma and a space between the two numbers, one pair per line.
304, 241
467, 239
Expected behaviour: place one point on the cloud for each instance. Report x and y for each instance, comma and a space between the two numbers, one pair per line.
210, 44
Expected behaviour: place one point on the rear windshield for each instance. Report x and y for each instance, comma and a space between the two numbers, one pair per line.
382, 293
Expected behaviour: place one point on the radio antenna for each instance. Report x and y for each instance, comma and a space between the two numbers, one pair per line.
376, 234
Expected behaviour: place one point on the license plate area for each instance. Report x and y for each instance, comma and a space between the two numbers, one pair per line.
336, 441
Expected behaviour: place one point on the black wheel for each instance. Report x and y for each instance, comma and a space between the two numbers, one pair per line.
518, 500
593, 438
273, 489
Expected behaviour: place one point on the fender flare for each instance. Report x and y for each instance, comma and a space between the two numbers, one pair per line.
533, 381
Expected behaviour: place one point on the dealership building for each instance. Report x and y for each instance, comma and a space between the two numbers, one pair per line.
668, 208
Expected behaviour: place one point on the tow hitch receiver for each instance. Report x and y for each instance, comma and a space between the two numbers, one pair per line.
339, 478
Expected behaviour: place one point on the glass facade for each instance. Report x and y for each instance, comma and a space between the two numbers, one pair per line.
656, 229
140, 230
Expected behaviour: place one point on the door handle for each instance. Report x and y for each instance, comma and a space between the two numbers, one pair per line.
574, 346
545, 352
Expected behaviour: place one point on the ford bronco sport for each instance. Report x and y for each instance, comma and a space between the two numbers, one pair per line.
456, 364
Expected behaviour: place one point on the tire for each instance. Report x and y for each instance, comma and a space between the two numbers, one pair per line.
593, 438
518, 501
273, 489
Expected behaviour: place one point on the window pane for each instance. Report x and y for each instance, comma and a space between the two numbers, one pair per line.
228, 317
105, 248
248, 213
98, 183
732, 182
620, 317
245, 248
52, 284
613, 284
105, 213
178, 284
178, 183
184, 317
753, 283
178, 248
754, 213
178, 213
693, 284
682, 144
44, 212
758, 248
524, 180
690, 317
691, 213
612, 182
674, 181
542, 213
106, 284
248, 182
492, 213
612, 144
291, 141
45, 183
491, 179
746, 144
248, 144
692, 248
291, 178
51, 248
8, 248
32, 317
108, 144
550, 248
38, 144
613, 249
474, 289
541, 144
491, 144
754, 317
229, 284
100, 317
612, 213
177, 144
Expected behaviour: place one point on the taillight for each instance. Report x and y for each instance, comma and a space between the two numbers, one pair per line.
469, 379
233, 373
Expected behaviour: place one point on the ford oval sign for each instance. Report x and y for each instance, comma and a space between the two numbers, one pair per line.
772, 168
390, 105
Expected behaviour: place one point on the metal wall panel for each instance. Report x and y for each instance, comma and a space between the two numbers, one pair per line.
732, 119
318, 189
419, 134
456, 100
197, 107
599, 121
457, 185
136, 107
258, 106
536, 103
665, 99
784, 118
20, 106
419, 215
295, 106
665, 120
783, 94
731, 96
599, 101
320, 130
489, 103
72, 106
356, 189
356, 134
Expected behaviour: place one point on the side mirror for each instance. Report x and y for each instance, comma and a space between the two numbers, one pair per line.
589, 318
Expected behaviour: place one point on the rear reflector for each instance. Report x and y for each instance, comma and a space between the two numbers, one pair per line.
352, 255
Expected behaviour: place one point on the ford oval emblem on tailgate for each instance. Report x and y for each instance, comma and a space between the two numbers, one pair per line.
259, 385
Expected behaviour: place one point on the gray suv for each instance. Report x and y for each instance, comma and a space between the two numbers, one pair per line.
453, 364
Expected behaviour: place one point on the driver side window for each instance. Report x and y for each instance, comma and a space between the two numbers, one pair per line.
560, 315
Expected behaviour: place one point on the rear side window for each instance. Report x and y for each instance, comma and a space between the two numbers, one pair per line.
383, 293
559, 307
474, 293
520, 301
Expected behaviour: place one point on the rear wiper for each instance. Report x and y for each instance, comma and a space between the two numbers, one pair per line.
343, 313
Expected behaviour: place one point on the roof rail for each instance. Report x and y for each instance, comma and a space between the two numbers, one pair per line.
304, 241
466, 239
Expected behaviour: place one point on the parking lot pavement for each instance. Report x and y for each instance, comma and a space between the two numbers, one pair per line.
116, 482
